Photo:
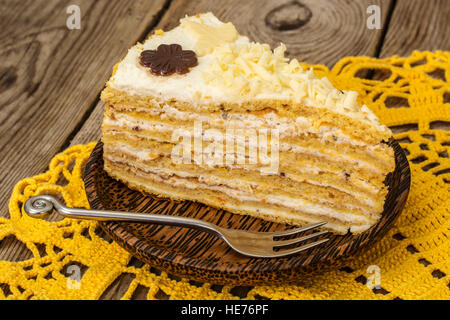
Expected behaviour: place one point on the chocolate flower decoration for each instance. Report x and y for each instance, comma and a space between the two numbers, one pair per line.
168, 59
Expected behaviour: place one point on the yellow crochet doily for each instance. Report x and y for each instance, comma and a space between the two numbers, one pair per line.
411, 95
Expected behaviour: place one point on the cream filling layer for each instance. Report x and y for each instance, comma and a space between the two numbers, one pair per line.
235, 183
147, 154
282, 201
286, 127
249, 207
143, 155
127, 122
306, 169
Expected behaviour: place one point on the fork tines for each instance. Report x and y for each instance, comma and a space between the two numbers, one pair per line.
285, 247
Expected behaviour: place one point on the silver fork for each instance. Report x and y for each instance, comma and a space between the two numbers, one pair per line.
249, 243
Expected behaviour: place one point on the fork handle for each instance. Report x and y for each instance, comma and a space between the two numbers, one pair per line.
41, 206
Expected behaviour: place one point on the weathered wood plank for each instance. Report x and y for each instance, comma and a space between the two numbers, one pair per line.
90, 131
417, 25
51, 76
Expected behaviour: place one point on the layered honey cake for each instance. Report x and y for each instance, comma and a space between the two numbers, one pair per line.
202, 113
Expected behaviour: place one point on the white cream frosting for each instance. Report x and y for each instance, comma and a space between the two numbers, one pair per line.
135, 79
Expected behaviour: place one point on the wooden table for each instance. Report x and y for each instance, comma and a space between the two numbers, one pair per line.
51, 77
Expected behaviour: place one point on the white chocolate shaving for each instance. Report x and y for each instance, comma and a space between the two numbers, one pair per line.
209, 37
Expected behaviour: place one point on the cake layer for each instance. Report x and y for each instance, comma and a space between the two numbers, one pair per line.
359, 188
355, 128
299, 132
284, 200
149, 145
252, 183
242, 205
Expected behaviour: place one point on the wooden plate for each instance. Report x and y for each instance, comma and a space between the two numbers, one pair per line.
204, 257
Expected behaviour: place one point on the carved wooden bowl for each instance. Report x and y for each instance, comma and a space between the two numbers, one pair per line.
201, 256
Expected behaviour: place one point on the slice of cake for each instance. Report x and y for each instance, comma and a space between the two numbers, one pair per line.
202, 113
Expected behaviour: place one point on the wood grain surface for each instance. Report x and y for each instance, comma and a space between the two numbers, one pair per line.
50, 77
417, 25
